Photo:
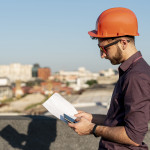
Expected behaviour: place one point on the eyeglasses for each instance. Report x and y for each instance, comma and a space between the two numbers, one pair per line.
103, 48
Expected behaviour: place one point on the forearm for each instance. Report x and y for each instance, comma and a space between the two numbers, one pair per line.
98, 119
115, 134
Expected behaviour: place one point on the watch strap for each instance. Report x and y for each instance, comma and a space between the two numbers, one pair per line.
94, 129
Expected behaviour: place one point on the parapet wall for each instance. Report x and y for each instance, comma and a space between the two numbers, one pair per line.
43, 133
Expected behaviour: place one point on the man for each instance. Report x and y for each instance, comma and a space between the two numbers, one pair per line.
127, 119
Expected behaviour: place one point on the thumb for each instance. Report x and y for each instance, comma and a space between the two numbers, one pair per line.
80, 111
79, 115
72, 125
78, 119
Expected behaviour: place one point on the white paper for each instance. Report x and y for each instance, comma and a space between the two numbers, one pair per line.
58, 106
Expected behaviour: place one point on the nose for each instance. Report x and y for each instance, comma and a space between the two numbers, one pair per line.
103, 55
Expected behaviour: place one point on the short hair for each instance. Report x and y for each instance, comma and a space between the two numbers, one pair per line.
130, 38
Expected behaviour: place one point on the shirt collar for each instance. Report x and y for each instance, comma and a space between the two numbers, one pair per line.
126, 64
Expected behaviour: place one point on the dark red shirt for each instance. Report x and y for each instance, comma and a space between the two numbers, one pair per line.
130, 103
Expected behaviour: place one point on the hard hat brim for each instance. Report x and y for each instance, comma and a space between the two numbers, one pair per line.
93, 33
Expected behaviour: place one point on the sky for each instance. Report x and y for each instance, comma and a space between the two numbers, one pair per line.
54, 33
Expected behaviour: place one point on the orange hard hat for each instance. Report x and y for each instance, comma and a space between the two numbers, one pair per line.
115, 22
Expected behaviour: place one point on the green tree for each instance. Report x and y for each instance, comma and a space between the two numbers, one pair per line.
91, 82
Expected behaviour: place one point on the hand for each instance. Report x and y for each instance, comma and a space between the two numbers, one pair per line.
83, 114
83, 127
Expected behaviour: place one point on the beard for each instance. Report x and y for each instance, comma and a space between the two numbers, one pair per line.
117, 59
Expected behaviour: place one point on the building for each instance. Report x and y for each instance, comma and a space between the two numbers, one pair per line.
109, 76
44, 73
16, 71
76, 79
5, 88
50, 87
35, 70
109, 72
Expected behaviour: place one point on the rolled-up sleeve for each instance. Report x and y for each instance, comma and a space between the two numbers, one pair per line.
137, 107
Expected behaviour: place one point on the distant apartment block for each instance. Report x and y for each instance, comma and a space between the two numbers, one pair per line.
35, 70
5, 88
76, 79
44, 73
109, 76
16, 71
108, 72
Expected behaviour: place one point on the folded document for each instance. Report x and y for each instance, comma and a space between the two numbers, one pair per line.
58, 106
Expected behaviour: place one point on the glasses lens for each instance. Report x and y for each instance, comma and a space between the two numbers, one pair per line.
102, 49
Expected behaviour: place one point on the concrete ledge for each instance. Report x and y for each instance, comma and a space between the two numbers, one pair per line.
43, 133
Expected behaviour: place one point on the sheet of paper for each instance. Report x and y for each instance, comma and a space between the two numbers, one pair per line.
58, 106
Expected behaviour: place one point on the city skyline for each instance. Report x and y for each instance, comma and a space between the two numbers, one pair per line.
55, 33
19, 65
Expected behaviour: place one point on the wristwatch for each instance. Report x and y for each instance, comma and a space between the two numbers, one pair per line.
93, 131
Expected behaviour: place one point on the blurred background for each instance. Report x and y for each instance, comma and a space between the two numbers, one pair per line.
45, 48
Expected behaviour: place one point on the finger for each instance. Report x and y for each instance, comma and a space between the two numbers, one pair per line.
80, 111
72, 125
78, 119
82, 119
79, 115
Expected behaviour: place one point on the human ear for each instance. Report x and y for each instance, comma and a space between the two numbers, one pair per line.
124, 44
